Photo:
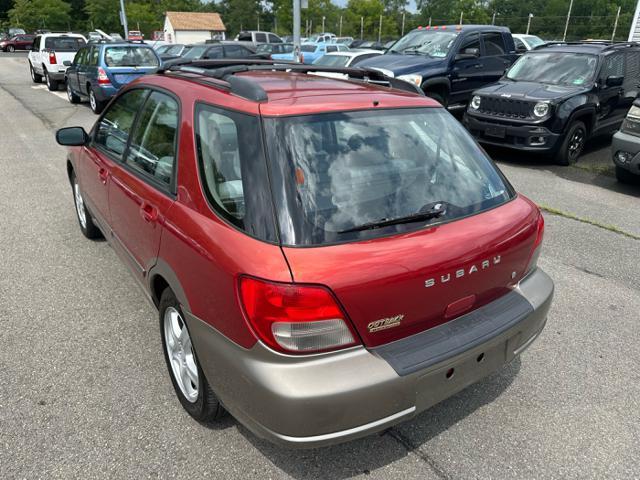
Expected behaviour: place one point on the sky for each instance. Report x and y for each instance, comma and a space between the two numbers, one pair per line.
411, 7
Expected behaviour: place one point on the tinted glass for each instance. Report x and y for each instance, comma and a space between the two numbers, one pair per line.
332, 48
174, 50
236, 51
493, 44
261, 37
613, 66
555, 68
112, 133
266, 48
80, 56
519, 44
244, 37
233, 169
274, 39
425, 42
196, 52
93, 56
130, 57
153, 147
337, 171
64, 44
214, 52
471, 41
308, 48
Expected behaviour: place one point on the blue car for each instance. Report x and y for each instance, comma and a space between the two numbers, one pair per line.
312, 51
99, 70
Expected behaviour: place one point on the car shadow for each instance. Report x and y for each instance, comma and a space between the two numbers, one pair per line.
365, 455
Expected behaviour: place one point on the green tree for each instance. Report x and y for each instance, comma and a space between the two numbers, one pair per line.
240, 15
103, 14
35, 14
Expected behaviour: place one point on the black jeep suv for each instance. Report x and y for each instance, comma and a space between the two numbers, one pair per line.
556, 96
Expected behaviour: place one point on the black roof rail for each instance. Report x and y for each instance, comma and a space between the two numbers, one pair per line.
245, 87
607, 44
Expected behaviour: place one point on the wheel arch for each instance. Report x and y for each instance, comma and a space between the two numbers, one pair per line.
585, 115
437, 84
162, 276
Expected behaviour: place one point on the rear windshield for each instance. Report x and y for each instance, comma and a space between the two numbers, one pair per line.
130, 57
335, 172
64, 44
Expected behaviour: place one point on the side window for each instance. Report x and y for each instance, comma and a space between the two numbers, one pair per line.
493, 44
36, 43
219, 152
236, 51
77, 60
632, 70
520, 46
613, 66
152, 150
214, 52
261, 37
93, 56
112, 133
244, 37
471, 42
274, 39
332, 48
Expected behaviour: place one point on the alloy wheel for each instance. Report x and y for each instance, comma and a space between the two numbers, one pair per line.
180, 354
11, 48
576, 143
92, 101
69, 92
80, 210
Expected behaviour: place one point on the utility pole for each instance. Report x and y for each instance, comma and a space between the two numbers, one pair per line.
340, 29
361, 28
529, 23
296, 30
323, 19
402, 30
493, 19
258, 20
460, 18
615, 25
429, 22
123, 20
380, 29
566, 25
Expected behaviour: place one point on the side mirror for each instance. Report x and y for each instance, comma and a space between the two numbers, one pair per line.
72, 136
614, 81
468, 54
521, 49
67, 63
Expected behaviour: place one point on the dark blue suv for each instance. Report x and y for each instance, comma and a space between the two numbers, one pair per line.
99, 70
449, 62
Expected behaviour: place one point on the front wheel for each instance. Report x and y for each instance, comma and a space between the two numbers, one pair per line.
572, 145
73, 98
96, 105
11, 49
34, 76
87, 227
187, 377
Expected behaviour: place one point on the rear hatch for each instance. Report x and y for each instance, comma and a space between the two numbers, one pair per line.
61, 49
399, 213
125, 63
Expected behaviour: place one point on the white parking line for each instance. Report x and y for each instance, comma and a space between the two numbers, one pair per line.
61, 95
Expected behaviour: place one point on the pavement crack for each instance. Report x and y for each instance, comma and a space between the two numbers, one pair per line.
588, 221
410, 447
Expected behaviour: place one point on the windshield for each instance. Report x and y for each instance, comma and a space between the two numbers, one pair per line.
334, 172
426, 42
555, 68
533, 41
130, 57
332, 60
64, 44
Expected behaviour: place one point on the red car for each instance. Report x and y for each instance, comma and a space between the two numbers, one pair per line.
329, 257
17, 42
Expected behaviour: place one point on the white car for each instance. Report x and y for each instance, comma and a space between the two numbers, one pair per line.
49, 52
526, 42
349, 58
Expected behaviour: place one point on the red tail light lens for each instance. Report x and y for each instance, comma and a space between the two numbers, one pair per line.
52, 58
294, 318
103, 79
537, 246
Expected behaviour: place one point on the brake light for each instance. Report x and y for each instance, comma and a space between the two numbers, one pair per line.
294, 318
103, 79
301, 57
537, 246
52, 58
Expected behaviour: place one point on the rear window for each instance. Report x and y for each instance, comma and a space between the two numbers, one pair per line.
335, 172
64, 44
308, 48
130, 57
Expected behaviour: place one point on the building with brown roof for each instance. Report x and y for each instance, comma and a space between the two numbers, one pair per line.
192, 27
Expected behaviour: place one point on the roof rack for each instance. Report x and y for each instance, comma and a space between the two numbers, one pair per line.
225, 70
607, 44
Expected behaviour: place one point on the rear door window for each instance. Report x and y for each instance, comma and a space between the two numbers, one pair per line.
152, 151
93, 56
112, 133
261, 38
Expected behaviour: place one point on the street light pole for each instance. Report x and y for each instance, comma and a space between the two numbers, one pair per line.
296, 30
340, 31
361, 28
123, 20
323, 18
566, 25
380, 29
529, 23
402, 31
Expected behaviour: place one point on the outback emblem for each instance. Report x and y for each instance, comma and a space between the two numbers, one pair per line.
384, 323
461, 272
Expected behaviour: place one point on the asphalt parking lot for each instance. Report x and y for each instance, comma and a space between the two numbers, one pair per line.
83, 387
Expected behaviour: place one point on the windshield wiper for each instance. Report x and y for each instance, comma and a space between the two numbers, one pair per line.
428, 212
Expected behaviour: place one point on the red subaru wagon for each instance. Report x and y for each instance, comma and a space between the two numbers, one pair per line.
329, 256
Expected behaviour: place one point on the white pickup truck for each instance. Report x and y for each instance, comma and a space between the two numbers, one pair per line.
48, 54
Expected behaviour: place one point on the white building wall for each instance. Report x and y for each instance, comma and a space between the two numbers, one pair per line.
191, 36
169, 34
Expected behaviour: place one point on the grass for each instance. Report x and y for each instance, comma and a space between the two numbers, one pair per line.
611, 228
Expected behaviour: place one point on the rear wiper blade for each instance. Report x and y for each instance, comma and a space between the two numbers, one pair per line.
437, 210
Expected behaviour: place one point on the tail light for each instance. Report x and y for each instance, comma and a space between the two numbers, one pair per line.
103, 79
293, 318
537, 246
52, 58
301, 58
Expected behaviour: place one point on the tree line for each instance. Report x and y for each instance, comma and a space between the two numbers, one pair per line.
387, 18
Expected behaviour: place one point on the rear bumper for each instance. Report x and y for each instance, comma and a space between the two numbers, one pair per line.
332, 398
520, 137
623, 142
105, 92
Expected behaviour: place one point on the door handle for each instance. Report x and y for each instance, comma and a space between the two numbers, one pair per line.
104, 175
148, 212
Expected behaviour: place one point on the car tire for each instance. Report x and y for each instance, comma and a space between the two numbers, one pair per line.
96, 105
189, 382
52, 85
572, 144
625, 176
11, 49
85, 220
73, 98
35, 78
